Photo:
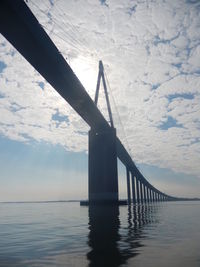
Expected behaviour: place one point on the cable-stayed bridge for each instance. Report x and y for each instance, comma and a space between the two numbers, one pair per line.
20, 27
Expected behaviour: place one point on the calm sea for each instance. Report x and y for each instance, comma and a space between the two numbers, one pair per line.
65, 234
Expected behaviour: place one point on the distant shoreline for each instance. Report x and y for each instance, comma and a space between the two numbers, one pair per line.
65, 201
42, 201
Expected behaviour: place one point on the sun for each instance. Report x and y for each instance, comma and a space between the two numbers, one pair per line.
87, 71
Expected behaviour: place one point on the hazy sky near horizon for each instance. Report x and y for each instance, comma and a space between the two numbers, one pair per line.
151, 56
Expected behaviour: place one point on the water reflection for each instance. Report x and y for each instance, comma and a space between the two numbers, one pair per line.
103, 236
108, 246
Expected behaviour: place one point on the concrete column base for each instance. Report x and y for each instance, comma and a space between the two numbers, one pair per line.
103, 203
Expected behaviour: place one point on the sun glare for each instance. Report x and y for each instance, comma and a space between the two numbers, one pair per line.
86, 72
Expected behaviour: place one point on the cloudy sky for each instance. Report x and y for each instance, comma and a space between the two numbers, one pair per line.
151, 56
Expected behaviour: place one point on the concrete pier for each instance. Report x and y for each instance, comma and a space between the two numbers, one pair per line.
141, 193
128, 185
103, 175
133, 189
137, 189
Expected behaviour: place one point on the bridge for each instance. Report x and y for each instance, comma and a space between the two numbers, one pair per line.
20, 27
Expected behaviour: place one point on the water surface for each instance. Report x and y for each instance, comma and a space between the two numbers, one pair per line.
65, 234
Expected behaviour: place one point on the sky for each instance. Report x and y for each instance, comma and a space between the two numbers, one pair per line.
151, 56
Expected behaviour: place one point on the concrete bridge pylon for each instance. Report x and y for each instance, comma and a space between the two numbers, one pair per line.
103, 174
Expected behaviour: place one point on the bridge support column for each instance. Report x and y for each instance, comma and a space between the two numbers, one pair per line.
145, 194
154, 196
141, 194
150, 195
133, 188
128, 185
103, 176
157, 196
137, 189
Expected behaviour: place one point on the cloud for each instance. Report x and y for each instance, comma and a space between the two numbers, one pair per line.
150, 52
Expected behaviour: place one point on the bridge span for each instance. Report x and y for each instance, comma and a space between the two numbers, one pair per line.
20, 27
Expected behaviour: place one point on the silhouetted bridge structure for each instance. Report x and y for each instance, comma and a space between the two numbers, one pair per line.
20, 27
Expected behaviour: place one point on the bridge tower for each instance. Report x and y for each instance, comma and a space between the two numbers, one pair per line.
103, 174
